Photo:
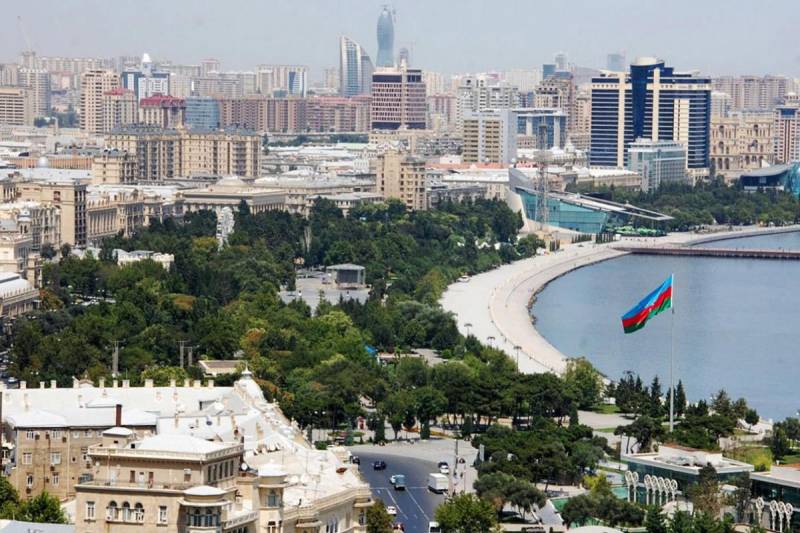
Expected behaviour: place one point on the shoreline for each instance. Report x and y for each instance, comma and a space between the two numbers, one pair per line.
495, 306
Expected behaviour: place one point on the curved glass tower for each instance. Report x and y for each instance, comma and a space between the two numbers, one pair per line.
385, 38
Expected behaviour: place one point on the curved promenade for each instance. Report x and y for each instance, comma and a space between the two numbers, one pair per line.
493, 306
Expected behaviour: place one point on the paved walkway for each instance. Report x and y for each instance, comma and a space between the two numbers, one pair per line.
493, 306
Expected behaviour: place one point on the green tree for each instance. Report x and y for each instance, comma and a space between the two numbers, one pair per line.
466, 513
644, 429
584, 382
705, 493
378, 519
654, 520
162, 375
779, 443
43, 508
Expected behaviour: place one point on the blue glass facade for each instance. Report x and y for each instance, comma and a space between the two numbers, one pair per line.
202, 113
682, 112
385, 38
565, 215
549, 126
782, 177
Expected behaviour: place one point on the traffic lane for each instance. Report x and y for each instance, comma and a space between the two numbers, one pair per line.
416, 505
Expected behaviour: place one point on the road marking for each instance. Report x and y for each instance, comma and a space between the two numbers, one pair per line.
413, 499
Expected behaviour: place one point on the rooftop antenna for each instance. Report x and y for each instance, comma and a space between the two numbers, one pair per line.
115, 360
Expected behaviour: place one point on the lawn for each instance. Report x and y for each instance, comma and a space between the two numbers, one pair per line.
606, 409
758, 456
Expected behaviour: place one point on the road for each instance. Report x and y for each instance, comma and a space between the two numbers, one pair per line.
415, 505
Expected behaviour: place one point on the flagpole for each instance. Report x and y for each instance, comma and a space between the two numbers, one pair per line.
672, 360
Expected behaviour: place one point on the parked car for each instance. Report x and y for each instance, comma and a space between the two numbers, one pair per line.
379, 465
444, 468
434, 527
392, 510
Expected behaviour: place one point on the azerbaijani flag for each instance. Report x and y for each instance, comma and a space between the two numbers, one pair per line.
655, 302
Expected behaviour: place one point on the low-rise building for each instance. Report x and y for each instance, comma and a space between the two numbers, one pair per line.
128, 258
659, 163
230, 192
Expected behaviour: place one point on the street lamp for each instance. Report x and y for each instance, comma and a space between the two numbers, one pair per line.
468, 325
490, 338
517, 348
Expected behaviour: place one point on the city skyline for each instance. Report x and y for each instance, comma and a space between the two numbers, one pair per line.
482, 38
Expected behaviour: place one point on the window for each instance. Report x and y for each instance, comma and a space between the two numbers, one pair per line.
30, 434
87, 433
84, 454
138, 512
89, 510
29, 481
27, 458
272, 499
55, 434
76, 434
272, 527
362, 518
55, 458
162, 514
55, 479
112, 511
126, 512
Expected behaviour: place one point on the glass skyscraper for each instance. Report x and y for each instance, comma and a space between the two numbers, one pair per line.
652, 101
385, 38
202, 113
355, 68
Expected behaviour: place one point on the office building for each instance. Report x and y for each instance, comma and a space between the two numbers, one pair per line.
786, 130
290, 80
441, 111
548, 69
37, 82
544, 128
481, 92
120, 108
355, 68
398, 99
655, 102
490, 136
385, 56
402, 176
162, 111
558, 92
741, 142
171, 153
16, 106
95, 84
615, 62
202, 112
658, 163
720, 104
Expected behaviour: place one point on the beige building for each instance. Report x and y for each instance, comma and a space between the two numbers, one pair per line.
490, 136
120, 108
558, 92
112, 212
741, 142
230, 192
94, 85
171, 153
38, 83
113, 167
69, 196
401, 176
40, 221
162, 111
786, 130
16, 106
753, 92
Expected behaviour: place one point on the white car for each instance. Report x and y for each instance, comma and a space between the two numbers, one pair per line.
392, 510
444, 469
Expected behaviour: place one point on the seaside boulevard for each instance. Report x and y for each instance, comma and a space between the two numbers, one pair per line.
494, 306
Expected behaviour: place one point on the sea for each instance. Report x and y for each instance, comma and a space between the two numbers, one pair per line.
735, 325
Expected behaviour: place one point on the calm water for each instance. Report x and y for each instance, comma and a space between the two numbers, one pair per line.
735, 324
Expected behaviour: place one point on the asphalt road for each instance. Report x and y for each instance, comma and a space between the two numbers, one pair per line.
415, 505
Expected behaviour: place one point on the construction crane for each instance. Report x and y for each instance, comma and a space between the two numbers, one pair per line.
29, 48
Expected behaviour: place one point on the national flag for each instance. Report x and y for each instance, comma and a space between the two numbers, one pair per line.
655, 302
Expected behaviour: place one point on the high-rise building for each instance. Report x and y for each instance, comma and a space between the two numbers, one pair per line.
202, 112
180, 85
219, 85
146, 81
38, 83
292, 80
209, 65
548, 69
398, 99
658, 163
120, 108
385, 56
355, 68
546, 128
338, 114
561, 62
558, 92
490, 136
523, 79
162, 111
247, 112
441, 111
331, 79
286, 115
786, 130
753, 92
720, 104
581, 132
652, 101
94, 84
402, 176
404, 57
16, 106
477, 93
615, 62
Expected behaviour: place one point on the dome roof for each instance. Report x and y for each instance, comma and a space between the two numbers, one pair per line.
230, 181
643, 61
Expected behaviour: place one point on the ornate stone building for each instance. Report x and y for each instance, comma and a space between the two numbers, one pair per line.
741, 142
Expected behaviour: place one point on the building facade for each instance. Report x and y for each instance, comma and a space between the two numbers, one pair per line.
162, 111
545, 128
651, 101
202, 113
16, 106
741, 142
786, 131
490, 136
355, 68
37, 81
401, 176
398, 99
120, 108
658, 163
94, 85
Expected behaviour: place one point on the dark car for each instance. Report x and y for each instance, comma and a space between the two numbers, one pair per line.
379, 465
356, 460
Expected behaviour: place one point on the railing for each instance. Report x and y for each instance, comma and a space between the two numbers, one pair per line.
232, 451
149, 485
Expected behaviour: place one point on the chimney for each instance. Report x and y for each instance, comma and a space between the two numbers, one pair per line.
41, 384
53, 384
148, 383
172, 383
187, 382
211, 383
126, 383
102, 383
23, 384
118, 415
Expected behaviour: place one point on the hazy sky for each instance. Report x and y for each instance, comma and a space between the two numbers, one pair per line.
714, 36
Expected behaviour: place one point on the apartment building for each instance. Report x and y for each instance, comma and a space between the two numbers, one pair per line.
338, 114
69, 196
94, 85
402, 176
113, 167
786, 131
120, 108
490, 136
170, 153
162, 111
247, 112
16, 106
37, 81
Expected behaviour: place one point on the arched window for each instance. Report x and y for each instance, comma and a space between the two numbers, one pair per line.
112, 511
272, 499
138, 512
126, 512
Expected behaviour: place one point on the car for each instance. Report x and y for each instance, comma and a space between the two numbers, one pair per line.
392, 510
444, 469
463, 279
398, 526
399, 481
434, 527
379, 465
356, 460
